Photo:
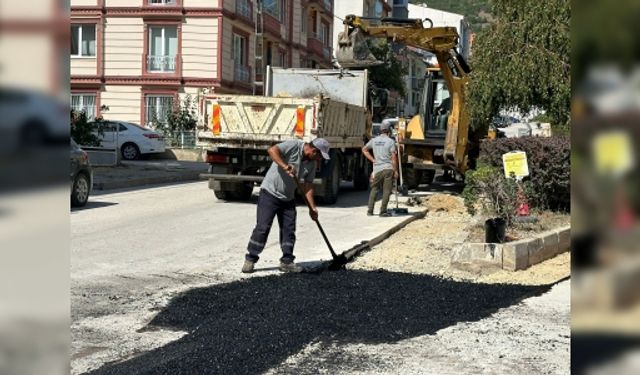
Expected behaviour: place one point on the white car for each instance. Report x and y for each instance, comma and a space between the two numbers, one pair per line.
133, 140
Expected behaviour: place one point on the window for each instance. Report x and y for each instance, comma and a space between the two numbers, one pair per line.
156, 108
325, 37
243, 8
163, 47
273, 8
240, 70
239, 50
83, 40
84, 103
282, 59
162, 2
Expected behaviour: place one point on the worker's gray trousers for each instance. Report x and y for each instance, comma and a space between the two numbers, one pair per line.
268, 208
382, 179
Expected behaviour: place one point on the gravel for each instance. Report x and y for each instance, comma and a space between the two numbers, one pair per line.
426, 246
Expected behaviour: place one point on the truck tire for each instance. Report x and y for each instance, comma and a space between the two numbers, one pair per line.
242, 192
221, 195
361, 176
428, 176
332, 184
411, 178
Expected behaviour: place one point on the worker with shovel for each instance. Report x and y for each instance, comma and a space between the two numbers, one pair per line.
385, 167
293, 159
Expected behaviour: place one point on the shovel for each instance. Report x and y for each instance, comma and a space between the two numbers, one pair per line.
338, 260
398, 211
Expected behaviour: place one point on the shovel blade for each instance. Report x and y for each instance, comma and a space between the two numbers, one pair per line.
353, 51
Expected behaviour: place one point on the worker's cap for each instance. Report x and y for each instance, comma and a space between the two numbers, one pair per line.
322, 145
385, 126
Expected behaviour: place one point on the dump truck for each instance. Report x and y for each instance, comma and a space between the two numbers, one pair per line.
237, 130
435, 138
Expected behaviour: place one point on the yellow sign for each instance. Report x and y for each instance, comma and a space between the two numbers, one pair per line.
515, 163
613, 153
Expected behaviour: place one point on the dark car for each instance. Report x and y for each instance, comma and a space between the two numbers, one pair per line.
504, 121
81, 176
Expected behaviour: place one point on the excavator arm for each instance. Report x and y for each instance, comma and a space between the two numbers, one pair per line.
353, 52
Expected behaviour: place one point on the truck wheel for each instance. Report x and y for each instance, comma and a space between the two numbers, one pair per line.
428, 176
221, 195
332, 185
361, 176
243, 192
411, 178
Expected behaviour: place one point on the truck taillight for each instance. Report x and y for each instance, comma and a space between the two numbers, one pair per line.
299, 131
217, 159
215, 119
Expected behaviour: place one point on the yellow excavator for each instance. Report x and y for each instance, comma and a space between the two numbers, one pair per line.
435, 138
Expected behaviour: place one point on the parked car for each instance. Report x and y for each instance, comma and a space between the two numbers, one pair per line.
29, 118
133, 140
504, 121
81, 176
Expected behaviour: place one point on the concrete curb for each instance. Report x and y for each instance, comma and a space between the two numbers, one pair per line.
152, 180
366, 245
518, 255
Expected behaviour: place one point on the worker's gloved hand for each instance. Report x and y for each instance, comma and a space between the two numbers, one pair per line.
291, 171
313, 213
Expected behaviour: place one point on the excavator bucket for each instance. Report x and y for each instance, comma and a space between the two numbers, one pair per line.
353, 51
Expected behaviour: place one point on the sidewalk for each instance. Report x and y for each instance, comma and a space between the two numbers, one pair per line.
147, 172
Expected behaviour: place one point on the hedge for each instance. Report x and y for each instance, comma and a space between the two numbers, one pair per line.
549, 183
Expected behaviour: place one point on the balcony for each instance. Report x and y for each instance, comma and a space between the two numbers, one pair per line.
327, 5
243, 9
161, 64
314, 44
416, 83
242, 73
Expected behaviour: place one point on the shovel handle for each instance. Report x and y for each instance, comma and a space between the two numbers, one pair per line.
324, 236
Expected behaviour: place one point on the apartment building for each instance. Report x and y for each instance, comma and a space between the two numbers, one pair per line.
363, 8
133, 60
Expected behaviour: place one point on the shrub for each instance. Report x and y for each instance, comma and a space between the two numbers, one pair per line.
549, 183
487, 187
82, 131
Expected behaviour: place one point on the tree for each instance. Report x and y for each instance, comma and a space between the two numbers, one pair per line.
83, 132
181, 118
522, 61
389, 75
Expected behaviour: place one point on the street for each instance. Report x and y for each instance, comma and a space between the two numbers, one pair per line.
131, 250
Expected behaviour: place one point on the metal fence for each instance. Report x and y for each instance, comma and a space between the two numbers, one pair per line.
186, 139
102, 157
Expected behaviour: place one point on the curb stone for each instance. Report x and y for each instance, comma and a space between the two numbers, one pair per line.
517, 255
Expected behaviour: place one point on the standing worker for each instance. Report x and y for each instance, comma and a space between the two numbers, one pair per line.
291, 159
385, 167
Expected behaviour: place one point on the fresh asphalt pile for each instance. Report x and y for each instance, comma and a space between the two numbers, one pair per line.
253, 325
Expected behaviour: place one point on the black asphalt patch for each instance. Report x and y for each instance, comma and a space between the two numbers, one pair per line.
250, 326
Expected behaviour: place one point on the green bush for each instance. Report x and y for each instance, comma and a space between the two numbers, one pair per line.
549, 183
487, 187
82, 131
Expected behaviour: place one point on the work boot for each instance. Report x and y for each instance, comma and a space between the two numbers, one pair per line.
290, 267
248, 266
385, 214
369, 213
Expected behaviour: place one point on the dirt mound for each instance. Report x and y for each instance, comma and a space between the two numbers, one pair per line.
445, 203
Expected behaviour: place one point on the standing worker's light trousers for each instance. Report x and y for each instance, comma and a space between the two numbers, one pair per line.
268, 208
383, 179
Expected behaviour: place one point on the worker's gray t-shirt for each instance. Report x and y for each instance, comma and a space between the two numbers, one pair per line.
277, 182
383, 147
